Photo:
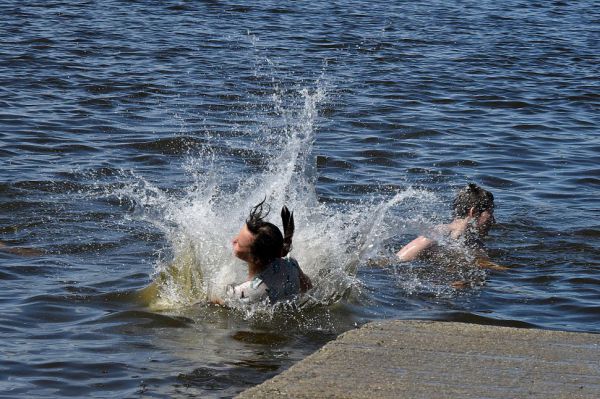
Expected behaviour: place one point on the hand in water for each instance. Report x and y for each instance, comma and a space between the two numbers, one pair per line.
485, 263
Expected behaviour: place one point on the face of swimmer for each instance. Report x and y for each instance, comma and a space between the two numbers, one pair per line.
483, 221
242, 244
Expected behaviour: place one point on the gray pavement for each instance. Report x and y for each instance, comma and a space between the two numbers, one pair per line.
427, 359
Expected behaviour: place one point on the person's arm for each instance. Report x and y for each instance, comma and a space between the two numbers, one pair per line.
216, 301
484, 262
415, 248
229, 294
305, 283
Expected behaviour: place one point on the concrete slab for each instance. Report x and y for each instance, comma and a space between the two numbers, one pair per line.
427, 359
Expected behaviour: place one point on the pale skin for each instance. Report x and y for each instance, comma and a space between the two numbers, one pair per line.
242, 243
481, 221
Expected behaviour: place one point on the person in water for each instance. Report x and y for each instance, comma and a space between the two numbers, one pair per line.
473, 218
272, 275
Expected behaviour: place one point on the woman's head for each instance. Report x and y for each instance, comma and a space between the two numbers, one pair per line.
261, 242
472, 196
473, 201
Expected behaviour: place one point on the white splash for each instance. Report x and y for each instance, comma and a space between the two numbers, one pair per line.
330, 242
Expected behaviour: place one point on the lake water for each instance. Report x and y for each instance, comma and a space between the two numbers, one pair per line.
134, 134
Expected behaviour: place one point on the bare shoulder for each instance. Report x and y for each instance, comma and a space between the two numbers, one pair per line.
415, 248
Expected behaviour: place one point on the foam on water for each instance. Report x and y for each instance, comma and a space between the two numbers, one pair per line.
200, 224
330, 240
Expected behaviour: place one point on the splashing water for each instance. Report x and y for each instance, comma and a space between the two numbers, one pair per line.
199, 226
329, 243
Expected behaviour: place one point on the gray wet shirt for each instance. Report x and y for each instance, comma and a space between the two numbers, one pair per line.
279, 281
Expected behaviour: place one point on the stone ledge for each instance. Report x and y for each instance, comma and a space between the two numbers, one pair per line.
430, 359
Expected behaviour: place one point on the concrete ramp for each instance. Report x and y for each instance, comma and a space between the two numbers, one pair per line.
427, 359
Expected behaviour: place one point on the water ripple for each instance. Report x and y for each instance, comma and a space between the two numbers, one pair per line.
105, 105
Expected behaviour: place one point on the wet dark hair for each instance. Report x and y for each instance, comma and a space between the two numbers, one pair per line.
472, 196
269, 244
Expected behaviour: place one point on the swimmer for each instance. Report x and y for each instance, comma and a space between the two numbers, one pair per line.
473, 219
272, 275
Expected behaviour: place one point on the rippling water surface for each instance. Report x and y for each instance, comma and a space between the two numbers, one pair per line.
137, 133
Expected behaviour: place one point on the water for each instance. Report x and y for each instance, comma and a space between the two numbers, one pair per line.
138, 133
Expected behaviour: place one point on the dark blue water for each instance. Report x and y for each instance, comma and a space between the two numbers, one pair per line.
129, 127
